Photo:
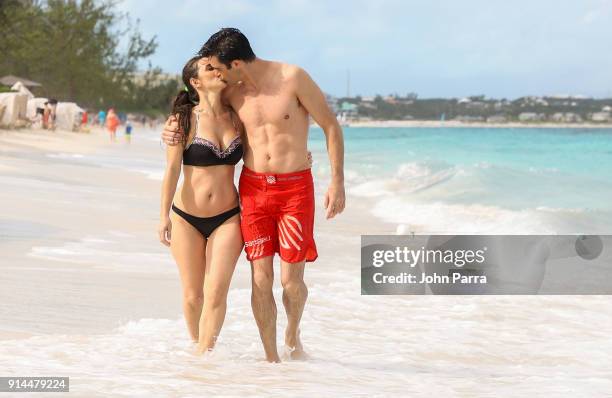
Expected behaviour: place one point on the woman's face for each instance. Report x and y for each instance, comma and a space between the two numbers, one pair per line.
209, 78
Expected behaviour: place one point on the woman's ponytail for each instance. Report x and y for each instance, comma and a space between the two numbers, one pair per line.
187, 98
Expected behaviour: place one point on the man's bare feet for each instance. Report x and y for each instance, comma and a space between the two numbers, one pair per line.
294, 350
273, 359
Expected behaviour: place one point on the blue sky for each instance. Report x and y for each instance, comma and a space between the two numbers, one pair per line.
436, 48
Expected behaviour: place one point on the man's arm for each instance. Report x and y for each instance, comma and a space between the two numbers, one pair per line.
172, 132
313, 99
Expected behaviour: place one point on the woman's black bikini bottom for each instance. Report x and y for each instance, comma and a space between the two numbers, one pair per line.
206, 225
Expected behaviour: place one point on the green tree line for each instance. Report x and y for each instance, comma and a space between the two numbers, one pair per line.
434, 108
82, 51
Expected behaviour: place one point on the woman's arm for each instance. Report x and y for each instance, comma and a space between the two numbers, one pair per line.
174, 160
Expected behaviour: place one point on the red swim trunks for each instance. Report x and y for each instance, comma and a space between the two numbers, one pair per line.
278, 215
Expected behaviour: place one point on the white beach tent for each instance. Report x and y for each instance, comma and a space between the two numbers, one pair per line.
22, 89
14, 107
68, 116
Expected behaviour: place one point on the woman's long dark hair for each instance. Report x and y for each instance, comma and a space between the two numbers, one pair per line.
186, 98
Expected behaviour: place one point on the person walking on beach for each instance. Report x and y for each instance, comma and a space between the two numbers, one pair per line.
274, 100
203, 229
112, 122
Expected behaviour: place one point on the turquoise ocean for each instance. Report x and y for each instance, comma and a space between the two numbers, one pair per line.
479, 180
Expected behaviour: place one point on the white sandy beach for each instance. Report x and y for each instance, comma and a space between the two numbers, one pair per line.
87, 291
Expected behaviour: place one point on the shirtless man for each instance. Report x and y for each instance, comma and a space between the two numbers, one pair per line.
273, 101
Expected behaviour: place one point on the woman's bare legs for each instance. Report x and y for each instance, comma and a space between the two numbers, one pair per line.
222, 252
188, 248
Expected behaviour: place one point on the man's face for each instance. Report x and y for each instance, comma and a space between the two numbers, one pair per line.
208, 76
230, 76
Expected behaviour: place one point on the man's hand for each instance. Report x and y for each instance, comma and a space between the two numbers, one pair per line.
334, 199
171, 134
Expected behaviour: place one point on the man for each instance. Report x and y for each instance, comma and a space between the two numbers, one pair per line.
101, 118
274, 101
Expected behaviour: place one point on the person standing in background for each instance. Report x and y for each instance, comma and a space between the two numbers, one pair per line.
46, 113
84, 119
52, 106
112, 122
128, 131
101, 117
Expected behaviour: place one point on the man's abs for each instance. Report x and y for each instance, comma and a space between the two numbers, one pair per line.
273, 151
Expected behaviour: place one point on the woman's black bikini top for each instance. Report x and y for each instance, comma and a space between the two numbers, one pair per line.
202, 152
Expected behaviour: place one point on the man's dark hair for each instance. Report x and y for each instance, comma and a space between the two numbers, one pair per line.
228, 44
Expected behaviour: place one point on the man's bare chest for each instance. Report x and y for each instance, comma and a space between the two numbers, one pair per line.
269, 108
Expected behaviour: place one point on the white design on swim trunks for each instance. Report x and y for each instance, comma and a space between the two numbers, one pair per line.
256, 246
256, 241
257, 250
286, 228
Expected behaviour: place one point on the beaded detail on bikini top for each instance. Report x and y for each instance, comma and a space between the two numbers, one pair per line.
203, 152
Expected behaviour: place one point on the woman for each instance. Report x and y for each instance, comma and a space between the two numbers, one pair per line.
112, 122
46, 113
203, 229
